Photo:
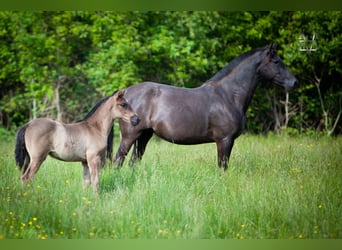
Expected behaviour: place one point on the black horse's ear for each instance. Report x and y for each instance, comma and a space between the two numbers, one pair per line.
273, 49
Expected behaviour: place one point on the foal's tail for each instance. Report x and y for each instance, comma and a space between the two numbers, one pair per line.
21, 154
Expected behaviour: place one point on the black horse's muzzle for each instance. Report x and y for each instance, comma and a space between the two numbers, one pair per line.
295, 84
292, 86
135, 120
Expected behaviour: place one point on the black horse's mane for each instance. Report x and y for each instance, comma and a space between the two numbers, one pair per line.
96, 106
235, 62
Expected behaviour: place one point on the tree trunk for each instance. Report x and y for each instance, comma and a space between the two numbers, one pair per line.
329, 130
286, 110
57, 101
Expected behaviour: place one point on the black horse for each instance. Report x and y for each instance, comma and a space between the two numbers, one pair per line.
213, 112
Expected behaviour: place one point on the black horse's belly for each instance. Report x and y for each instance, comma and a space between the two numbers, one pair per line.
185, 133
190, 141
185, 140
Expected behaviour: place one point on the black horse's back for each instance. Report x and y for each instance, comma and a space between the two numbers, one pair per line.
20, 148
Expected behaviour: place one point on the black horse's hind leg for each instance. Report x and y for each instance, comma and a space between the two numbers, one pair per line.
140, 146
224, 148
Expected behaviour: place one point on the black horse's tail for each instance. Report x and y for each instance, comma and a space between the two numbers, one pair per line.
110, 139
21, 154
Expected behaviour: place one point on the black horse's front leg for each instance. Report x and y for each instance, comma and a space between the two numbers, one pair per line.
224, 148
120, 155
125, 146
140, 146
134, 155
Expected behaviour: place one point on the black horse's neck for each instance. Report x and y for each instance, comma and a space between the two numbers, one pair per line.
239, 79
233, 64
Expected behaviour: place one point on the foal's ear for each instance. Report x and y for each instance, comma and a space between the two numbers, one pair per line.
121, 93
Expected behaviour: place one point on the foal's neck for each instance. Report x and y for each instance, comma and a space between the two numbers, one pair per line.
102, 119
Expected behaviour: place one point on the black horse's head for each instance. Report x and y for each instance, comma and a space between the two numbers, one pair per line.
273, 69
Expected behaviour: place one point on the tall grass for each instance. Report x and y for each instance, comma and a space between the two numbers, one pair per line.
275, 187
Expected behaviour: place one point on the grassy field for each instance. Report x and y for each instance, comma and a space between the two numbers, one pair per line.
275, 187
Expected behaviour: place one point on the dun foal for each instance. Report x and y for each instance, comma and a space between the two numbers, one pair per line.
83, 141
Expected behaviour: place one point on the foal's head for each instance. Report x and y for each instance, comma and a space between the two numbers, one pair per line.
272, 68
122, 110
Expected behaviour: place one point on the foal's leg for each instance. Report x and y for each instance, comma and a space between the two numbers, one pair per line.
32, 169
140, 146
224, 148
94, 164
86, 175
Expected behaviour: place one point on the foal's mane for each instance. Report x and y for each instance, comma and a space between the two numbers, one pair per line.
97, 105
234, 63
110, 137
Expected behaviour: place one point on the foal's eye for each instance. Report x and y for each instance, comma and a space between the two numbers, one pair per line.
124, 105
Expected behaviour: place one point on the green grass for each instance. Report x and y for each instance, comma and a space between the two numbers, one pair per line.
275, 187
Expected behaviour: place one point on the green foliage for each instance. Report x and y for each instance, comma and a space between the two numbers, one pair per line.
6, 135
45, 55
275, 187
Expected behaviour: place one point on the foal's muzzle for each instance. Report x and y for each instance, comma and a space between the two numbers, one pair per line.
135, 120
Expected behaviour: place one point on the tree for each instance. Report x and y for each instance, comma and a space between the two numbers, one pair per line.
319, 70
58, 64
